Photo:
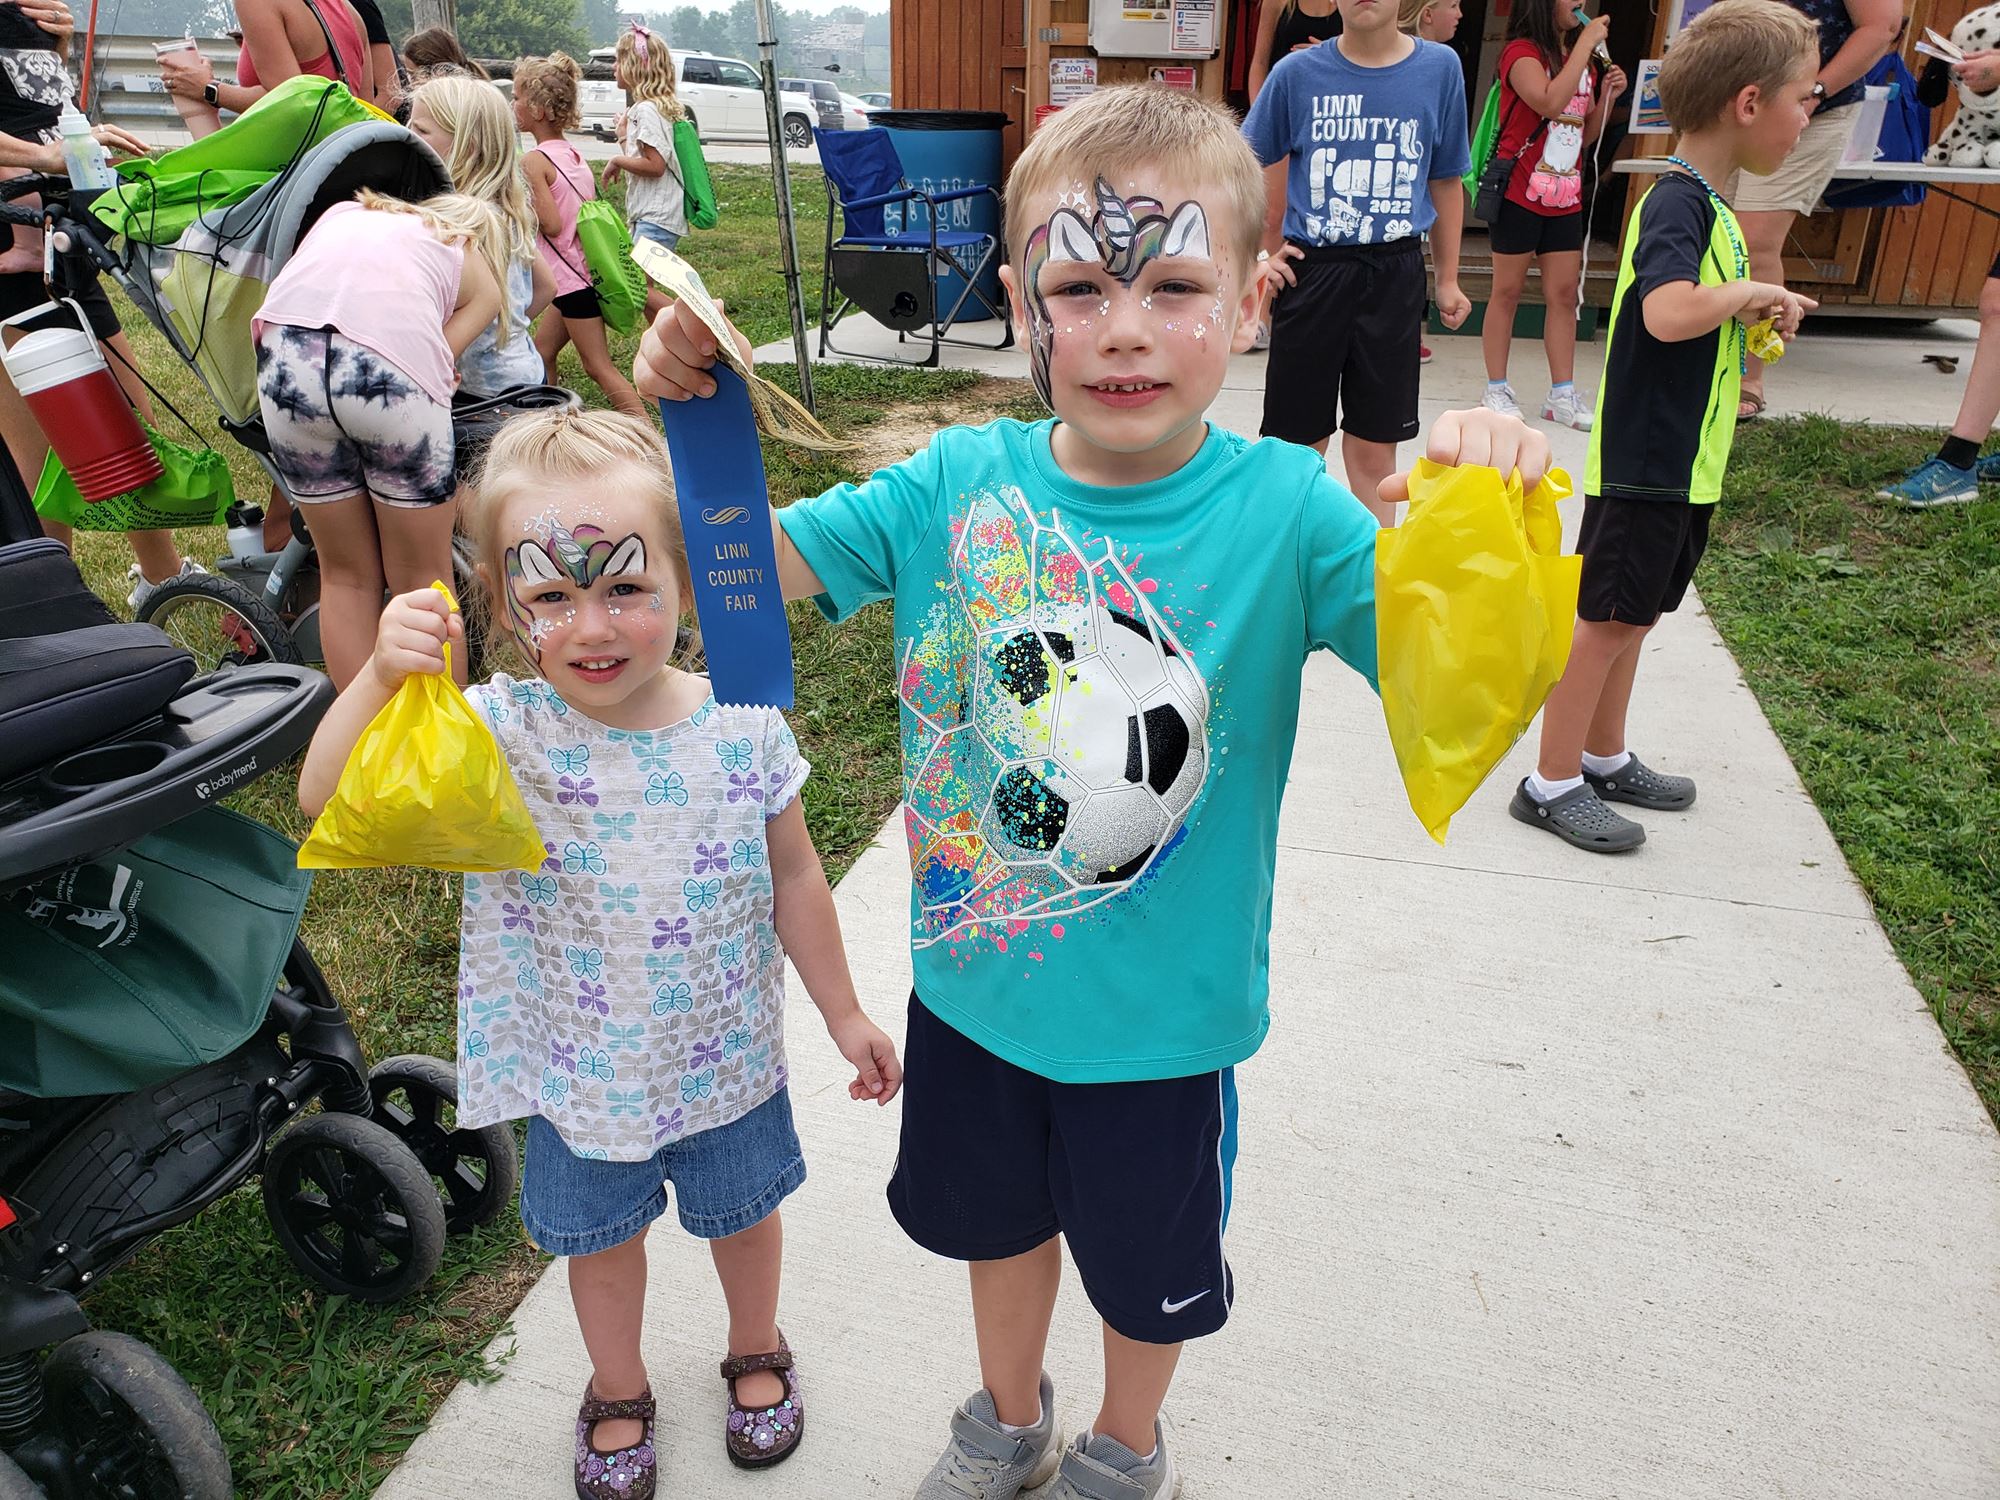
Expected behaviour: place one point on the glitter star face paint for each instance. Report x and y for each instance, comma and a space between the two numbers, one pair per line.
1125, 306
594, 603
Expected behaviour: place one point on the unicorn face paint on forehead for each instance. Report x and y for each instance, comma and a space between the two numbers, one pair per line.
1123, 236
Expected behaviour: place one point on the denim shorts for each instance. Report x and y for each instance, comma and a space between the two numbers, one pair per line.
725, 1181
659, 234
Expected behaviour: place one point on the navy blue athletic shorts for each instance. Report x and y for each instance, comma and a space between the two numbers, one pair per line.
995, 1160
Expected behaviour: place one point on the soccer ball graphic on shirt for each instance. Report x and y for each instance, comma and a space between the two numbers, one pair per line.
1077, 743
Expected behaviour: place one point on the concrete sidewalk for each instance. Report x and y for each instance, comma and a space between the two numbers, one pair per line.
1562, 1176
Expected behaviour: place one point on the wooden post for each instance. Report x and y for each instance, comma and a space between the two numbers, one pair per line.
428, 13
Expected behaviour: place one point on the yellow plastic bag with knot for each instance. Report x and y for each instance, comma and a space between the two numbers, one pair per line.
426, 785
1475, 606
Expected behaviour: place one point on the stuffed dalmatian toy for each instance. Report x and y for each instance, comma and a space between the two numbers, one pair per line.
1973, 137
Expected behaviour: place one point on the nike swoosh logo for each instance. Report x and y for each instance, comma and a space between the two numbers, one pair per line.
1174, 1307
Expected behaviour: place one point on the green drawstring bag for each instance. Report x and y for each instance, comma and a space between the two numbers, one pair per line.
1484, 139
607, 251
194, 489
702, 211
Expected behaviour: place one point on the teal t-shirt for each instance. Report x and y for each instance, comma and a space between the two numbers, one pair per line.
1100, 690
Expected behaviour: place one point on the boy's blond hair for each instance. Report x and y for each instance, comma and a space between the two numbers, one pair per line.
1410, 13
1117, 130
1726, 49
549, 85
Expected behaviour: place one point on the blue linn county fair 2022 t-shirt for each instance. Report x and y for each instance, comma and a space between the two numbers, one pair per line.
1100, 689
1365, 143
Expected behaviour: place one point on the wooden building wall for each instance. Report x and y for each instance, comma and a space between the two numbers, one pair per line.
961, 54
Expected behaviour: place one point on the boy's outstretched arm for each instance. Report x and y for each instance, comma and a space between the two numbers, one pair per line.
673, 363
809, 931
410, 639
1482, 439
1684, 310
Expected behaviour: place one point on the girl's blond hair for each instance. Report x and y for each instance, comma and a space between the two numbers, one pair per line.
648, 76
457, 219
566, 450
549, 85
485, 160
1410, 13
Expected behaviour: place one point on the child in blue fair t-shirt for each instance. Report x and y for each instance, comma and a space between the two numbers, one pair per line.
1095, 616
1373, 123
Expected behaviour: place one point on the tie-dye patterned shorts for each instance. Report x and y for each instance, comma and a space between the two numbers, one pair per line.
344, 421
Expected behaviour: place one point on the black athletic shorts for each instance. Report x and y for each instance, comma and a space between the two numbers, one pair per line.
1522, 231
996, 1160
581, 303
1345, 343
21, 290
1638, 556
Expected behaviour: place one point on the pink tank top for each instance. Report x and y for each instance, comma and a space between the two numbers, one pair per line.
573, 188
383, 281
347, 37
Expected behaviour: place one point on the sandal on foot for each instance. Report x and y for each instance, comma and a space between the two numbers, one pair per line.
1578, 817
1642, 786
627, 1473
761, 1436
1749, 407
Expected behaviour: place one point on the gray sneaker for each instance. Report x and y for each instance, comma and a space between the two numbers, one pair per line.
1578, 817
1642, 786
985, 1463
1096, 1467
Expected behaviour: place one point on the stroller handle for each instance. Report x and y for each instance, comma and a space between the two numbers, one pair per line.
41, 183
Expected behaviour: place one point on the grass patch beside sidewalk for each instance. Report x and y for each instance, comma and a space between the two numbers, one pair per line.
1871, 636
317, 1396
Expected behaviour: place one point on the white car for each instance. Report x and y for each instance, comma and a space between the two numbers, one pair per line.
723, 96
854, 112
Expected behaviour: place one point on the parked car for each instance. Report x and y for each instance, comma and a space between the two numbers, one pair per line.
723, 97
855, 112
874, 100
826, 100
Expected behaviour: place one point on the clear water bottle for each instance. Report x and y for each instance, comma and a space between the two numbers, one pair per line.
246, 530
84, 158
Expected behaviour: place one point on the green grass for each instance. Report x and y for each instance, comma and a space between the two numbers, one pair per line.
315, 1395
1871, 635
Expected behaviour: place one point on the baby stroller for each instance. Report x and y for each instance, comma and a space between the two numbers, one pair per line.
199, 272
163, 1031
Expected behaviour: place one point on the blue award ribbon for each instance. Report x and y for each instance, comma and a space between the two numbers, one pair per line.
726, 516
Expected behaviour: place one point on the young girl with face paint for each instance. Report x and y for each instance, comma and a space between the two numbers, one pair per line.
627, 998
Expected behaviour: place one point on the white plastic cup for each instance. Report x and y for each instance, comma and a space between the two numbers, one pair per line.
190, 110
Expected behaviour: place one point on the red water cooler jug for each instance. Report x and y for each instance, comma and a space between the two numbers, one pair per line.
61, 374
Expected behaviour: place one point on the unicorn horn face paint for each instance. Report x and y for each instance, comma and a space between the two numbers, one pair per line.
592, 597
1130, 309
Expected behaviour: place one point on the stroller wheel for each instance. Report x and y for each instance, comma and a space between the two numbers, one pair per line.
476, 1171
133, 1429
219, 622
354, 1207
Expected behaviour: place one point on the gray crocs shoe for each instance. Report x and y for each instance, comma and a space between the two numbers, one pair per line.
1578, 817
1096, 1467
1642, 786
985, 1463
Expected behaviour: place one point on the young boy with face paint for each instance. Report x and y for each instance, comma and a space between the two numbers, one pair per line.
1095, 616
1373, 122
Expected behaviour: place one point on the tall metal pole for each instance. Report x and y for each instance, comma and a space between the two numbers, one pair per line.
767, 48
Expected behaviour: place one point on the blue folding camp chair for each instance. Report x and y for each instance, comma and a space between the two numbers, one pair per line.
897, 273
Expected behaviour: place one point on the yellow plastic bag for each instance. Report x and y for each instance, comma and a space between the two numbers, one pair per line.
1475, 606
427, 786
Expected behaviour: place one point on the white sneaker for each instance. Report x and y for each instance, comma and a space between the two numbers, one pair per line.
1263, 338
1501, 398
1568, 409
142, 590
